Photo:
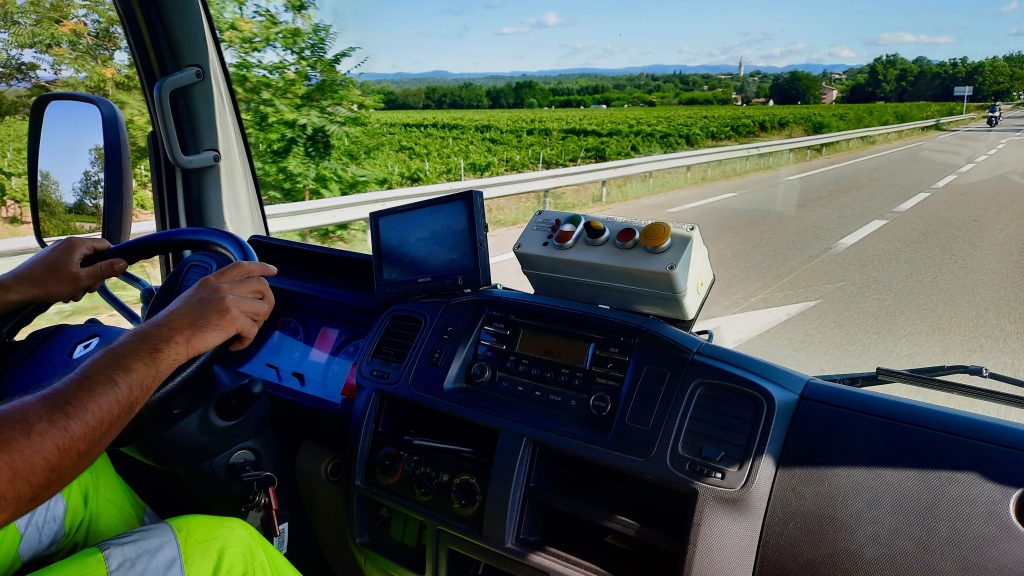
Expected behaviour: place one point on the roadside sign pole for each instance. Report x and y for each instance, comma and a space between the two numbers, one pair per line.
965, 103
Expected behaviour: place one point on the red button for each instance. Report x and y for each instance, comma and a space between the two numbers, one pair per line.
564, 236
626, 234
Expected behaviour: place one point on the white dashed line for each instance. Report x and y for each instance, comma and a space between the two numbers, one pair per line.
966, 168
981, 158
858, 235
1001, 146
502, 258
911, 203
702, 202
827, 168
992, 151
950, 134
944, 181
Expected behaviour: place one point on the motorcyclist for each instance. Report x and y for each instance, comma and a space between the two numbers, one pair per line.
996, 109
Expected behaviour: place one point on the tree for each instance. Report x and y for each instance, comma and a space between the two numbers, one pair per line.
54, 218
993, 80
88, 191
48, 45
796, 88
299, 104
746, 89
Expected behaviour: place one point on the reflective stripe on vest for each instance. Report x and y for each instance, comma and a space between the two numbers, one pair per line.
151, 550
41, 529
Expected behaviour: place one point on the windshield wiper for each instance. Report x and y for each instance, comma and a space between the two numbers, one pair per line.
931, 377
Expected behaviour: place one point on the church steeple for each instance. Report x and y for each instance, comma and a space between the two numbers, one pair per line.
741, 66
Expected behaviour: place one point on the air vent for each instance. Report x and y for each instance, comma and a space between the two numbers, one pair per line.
722, 426
397, 340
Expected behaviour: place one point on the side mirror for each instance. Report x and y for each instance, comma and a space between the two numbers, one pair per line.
79, 168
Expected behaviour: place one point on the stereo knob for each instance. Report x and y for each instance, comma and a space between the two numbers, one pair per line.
389, 467
480, 373
424, 482
466, 495
600, 404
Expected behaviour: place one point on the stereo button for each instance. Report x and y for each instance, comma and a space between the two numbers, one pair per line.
600, 404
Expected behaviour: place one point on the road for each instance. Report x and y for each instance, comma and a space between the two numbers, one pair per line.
903, 255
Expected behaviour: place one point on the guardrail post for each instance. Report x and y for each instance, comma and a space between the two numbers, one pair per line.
545, 202
604, 191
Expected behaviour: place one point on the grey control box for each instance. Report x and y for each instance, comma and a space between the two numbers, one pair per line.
653, 267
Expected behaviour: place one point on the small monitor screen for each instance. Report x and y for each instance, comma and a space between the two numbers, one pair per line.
434, 240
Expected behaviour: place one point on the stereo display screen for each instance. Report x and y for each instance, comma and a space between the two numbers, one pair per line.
554, 348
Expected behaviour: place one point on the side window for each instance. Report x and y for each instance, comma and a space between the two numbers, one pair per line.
61, 45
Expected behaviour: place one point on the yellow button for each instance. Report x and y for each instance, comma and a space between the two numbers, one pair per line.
655, 234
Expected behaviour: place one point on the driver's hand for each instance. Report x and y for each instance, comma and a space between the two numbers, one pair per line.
55, 274
232, 302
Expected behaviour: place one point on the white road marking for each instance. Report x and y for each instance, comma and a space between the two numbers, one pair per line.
944, 181
952, 134
858, 235
502, 258
827, 168
966, 168
702, 202
1001, 146
910, 203
981, 158
735, 329
992, 151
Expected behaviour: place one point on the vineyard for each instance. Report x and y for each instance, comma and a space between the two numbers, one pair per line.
408, 148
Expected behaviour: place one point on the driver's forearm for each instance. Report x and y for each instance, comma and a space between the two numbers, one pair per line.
49, 438
12, 294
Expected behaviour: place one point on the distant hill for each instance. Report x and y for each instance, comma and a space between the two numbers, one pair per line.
445, 75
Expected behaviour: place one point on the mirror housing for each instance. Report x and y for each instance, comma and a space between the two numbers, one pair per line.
115, 220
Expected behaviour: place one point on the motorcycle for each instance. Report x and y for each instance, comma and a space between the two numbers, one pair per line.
993, 118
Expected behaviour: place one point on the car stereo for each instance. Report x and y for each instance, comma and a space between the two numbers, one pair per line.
435, 245
563, 369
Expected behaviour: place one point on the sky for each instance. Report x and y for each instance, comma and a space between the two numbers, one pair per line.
506, 35
70, 129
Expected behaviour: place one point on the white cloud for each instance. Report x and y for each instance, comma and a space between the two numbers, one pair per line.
1017, 31
890, 38
512, 30
1011, 7
548, 20
842, 53
492, 4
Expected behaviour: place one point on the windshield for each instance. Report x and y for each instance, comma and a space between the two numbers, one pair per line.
898, 249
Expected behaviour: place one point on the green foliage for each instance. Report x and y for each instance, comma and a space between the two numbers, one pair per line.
48, 45
796, 88
298, 104
419, 147
54, 217
88, 191
893, 78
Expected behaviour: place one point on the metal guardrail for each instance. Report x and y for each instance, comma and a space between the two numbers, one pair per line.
343, 209
323, 212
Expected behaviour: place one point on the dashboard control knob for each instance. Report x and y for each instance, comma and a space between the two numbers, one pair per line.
600, 404
424, 483
466, 495
656, 237
388, 468
627, 238
480, 373
595, 232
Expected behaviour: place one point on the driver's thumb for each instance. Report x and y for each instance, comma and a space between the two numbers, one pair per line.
107, 269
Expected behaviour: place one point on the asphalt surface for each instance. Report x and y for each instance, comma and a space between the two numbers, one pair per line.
903, 255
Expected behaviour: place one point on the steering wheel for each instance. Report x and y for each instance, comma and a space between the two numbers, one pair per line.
218, 249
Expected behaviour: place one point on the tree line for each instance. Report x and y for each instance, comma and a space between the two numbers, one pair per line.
887, 78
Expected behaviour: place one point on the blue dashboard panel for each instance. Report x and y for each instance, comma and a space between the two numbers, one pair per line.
325, 308
308, 359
